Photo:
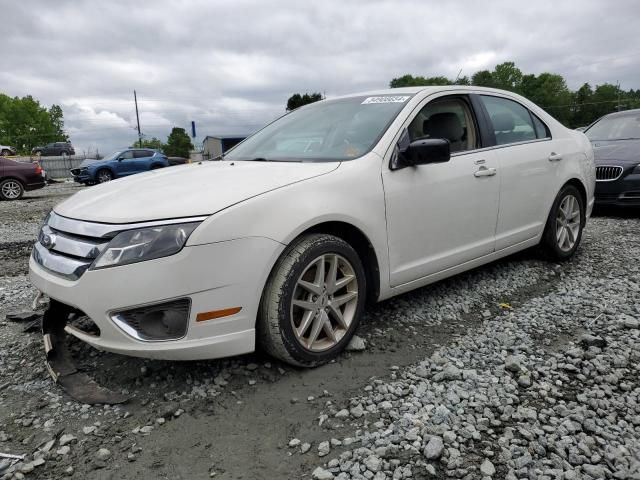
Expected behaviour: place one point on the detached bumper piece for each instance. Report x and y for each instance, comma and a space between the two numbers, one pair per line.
60, 364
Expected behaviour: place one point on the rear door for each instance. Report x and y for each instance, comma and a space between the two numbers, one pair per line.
142, 160
441, 215
526, 153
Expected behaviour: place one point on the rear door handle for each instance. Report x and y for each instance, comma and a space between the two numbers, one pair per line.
555, 157
485, 172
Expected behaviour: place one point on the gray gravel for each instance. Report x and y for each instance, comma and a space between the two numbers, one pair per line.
546, 390
521, 369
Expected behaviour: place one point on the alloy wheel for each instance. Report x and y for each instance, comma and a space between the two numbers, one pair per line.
104, 176
11, 189
568, 223
324, 302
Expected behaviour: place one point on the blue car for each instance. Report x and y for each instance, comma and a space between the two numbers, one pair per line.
120, 164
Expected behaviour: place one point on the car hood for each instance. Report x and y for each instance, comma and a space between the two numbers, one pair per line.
187, 190
616, 152
88, 161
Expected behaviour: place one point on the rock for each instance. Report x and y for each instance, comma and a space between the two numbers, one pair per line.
357, 411
587, 341
434, 448
147, 429
524, 381
594, 471
305, 447
252, 366
323, 449
89, 430
103, 454
629, 322
356, 344
513, 363
67, 438
322, 474
450, 372
373, 463
487, 468
344, 413
294, 442
63, 450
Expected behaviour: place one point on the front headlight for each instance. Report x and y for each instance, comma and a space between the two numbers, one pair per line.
133, 246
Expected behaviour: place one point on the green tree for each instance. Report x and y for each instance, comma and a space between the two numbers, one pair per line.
178, 143
24, 123
411, 81
296, 100
153, 142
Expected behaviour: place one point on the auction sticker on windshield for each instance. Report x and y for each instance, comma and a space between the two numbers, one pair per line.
387, 99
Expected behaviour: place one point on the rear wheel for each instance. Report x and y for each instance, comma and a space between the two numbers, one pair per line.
313, 301
566, 221
5, 153
104, 175
11, 189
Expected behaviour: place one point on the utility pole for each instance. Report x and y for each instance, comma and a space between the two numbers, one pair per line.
135, 99
618, 95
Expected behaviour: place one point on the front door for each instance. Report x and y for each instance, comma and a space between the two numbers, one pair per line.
441, 215
125, 165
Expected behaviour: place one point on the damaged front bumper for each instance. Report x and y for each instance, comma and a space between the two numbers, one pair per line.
60, 364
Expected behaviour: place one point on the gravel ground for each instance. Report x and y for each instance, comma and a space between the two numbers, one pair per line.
520, 369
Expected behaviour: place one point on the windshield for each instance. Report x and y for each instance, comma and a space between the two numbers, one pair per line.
332, 130
113, 156
618, 127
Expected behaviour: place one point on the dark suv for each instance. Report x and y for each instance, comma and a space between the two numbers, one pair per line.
54, 149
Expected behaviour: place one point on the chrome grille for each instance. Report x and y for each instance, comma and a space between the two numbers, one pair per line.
608, 173
68, 247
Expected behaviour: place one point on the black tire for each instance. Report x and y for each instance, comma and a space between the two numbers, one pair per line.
156, 167
275, 327
104, 175
5, 153
550, 244
11, 189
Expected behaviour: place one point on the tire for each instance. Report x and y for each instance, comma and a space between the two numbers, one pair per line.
11, 189
5, 153
155, 167
567, 215
104, 175
64, 153
279, 320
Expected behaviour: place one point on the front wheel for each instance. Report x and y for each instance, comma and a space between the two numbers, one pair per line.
104, 175
11, 189
563, 231
5, 153
313, 301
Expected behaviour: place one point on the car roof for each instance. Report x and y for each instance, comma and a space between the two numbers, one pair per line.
624, 113
427, 89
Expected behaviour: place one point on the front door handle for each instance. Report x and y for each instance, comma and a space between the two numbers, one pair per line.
555, 157
485, 172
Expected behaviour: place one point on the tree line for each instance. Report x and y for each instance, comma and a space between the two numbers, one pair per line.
548, 90
178, 143
25, 123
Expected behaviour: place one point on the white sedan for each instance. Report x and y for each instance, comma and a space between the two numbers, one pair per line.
278, 245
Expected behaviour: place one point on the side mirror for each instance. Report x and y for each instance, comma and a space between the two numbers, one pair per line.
420, 152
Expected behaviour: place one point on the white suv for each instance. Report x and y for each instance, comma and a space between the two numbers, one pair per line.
279, 244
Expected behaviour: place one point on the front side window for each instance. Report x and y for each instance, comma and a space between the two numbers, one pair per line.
511, 122
126, 155
334, 130
449, 118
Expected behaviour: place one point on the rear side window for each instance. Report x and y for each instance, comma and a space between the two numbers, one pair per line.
512, 123
542, 131
142, 154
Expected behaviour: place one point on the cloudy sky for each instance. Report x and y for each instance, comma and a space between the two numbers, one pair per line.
231, 65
